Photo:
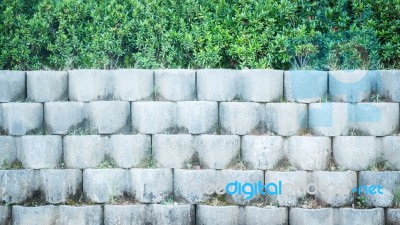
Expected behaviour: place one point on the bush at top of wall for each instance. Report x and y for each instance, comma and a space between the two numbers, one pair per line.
327, 34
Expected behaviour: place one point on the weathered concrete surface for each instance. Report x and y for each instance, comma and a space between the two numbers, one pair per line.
268, 215
8, 151
66, 117
44, 215
172, 151
128, 151
82, 152
212, 215
286, 119
305, 85
5, 215
217, 84
173, 214
21, 118
153, 117
197, 117
90, 85
17, 186
388, 83
300, 216
258, 85
73, 215
110, 117
132, 84
47, 86
12, 86
329, 118
175, 84
392, 216
127, 214
240, 117
349, 216
391, 153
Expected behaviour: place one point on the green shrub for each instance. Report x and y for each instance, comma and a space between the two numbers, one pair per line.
299, 34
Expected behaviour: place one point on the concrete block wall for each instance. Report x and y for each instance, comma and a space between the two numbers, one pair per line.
133, 146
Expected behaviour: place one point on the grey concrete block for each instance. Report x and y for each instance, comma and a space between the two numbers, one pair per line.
194, 186
388, 83
355, 152
329, 119
129, 151
349, 216
286, 119
8, 151
66, 117
376, 118
197, 117
12, 86
351, 85
59, 186
262, 152
105, 185
217, 84
173, 214
88, 215
47, 86
151, 185
268, 215
389, 182
258, 85
109, 117
5, 215
40, 151
309, 153
294, 186
392, 216
82, 152
17, 186
240, 117
127, 214
299, 216
44, 215
21, 118
175, 84
334, 188
225, 177
132, 84
212, 215
306, 85
217, 151
391, 151
173, 151
153, 117
90, 85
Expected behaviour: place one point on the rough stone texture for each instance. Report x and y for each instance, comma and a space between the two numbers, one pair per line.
12, 86
172, 151
5, 215
329, 119
355, 152
262, 152
129, 151
90, 85
393, 216
376, 118
66, 117
175, 84
59, 186
349, 216
335, 188
212, 215
43, 215
351, 85
309, 153
388, 83
133, 84
82, 152
388, 181
286, 119
17, 186
268, 215
217, 151
206, 114
109, 117
8, 151
173, 215
40, 151
305, 85
126, 214
391, 151
194, 186
258, 85
299, 216
151, 185
240, 117
73, 215
294, 186
21, 118
105, 185
153, 117
217, 84
47, 86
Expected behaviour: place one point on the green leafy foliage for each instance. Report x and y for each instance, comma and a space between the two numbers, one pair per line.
106, 34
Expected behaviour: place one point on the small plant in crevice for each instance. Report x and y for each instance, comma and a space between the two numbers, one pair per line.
375, 97
397, 197
81, 132
168, 201
194, 163
16, 165
78, 202
285, 165
215, 200
308, 202
155, 92
325, 98
354, 132
360, 202
149, 161
37, 132
283, 100
238, 164
238, 98
305, 132
107, 163
379, 165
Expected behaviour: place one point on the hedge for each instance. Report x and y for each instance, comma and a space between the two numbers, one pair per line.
285, 34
